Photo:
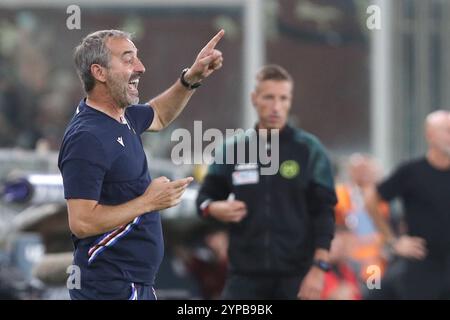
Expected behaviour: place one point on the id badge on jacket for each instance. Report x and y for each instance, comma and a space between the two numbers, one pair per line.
245, 174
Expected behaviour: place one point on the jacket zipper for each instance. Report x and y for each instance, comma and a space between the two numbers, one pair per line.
267, 229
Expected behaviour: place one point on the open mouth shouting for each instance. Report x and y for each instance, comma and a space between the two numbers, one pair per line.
133, 86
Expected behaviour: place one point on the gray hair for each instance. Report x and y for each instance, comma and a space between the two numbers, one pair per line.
93, 50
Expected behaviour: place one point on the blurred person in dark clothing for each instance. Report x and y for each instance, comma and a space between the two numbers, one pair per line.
280, 225
423, 185
17, 111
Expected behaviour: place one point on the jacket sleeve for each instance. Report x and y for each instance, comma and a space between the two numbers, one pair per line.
321, 197
395, 185
83, 165
215, 186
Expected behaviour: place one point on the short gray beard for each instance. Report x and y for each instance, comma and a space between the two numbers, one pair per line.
119, 94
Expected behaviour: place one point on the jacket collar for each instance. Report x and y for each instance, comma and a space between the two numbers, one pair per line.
285, 133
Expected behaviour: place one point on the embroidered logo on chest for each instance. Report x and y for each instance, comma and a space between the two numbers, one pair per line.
289, 169
120, 140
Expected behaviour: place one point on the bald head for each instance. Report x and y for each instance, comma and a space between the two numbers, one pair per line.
363, 169
437, 119
437, 131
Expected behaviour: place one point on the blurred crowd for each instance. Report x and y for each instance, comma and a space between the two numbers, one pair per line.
35, 93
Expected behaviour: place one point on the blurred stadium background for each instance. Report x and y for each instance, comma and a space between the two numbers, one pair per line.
358, 90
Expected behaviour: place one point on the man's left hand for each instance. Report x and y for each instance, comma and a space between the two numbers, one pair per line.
312, 285
208, 60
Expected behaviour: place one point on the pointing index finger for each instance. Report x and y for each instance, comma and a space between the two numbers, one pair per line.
215, 40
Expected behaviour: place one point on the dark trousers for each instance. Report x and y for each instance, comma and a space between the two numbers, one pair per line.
113, 290
409, 279
254, 287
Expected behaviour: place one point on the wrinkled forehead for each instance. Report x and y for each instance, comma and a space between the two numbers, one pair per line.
119, 46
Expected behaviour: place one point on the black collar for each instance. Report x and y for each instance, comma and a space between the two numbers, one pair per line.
285, 133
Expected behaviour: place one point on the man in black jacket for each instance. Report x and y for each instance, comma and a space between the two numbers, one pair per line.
280, 224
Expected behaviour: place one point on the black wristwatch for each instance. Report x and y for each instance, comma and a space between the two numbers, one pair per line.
187, 84
322, 265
